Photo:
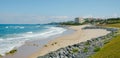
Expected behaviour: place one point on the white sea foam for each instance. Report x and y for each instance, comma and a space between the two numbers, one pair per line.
10, 43
7, 46
29, 32
15, 27
1, 39
6, 27
38, 26
21, 27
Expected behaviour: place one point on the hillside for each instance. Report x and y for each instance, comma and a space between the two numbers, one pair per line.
111, 49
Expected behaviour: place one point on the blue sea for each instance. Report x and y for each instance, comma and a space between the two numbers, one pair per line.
14, 35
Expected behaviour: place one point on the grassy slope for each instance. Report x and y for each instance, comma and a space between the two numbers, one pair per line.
112, 49
112, 25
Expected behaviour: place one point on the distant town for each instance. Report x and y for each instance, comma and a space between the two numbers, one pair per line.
93, 21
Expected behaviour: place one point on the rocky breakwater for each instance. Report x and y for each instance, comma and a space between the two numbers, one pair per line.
83, 49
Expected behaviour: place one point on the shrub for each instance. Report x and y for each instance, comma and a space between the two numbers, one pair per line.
106, 42
75, 50
87, 43
85, 50
96, 49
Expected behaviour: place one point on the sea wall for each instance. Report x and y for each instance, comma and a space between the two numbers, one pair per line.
83, 49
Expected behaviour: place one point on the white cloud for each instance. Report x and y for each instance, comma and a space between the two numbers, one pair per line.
15, 18
59, 17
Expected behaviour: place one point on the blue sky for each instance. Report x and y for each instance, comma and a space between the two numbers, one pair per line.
44, 11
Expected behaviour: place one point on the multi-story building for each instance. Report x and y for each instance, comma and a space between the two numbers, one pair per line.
79, 20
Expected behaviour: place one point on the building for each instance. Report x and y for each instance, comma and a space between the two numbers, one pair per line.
79, 20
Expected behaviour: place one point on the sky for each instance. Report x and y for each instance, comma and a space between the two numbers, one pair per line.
45, 11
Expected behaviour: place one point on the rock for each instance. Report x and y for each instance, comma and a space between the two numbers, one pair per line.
89, 44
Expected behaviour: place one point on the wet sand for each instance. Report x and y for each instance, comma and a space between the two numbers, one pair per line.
31, 47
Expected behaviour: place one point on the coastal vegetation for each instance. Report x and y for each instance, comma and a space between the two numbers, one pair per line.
87, 43
93, 21
111, 49
102, 21
96, 49
117, 25
106, 46
106, 42
83, 49
113, 20
69, 23
75, 50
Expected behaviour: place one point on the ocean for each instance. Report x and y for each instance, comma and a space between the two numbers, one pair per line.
15, 35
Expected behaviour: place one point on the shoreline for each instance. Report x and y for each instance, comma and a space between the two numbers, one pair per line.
31, 46
78, 36
33, 49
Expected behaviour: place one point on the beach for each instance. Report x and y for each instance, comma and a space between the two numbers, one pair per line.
38, 39
26, 38
80, 35
33, 49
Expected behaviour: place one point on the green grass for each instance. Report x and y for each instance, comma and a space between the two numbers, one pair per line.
105, 42
111, 49
111, 25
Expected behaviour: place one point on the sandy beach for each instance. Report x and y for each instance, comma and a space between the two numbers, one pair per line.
80, 35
